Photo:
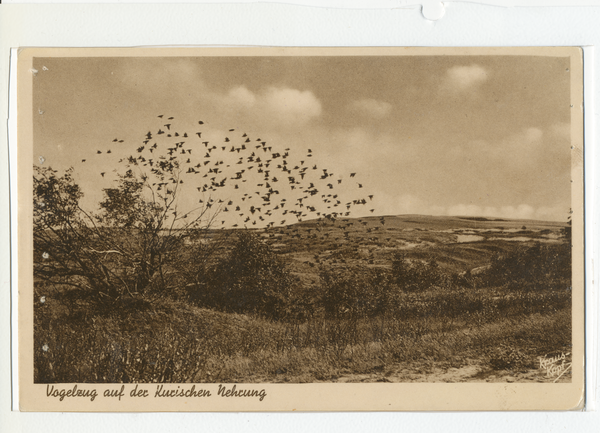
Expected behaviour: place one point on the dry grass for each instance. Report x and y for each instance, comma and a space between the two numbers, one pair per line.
180, 343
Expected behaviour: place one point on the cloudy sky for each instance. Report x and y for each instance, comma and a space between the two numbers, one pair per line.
434, 135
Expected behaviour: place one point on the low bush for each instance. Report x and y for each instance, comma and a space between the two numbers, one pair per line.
417, 275
355, 292
531, 267
251, 279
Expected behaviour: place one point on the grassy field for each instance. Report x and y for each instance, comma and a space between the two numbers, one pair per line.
388, 299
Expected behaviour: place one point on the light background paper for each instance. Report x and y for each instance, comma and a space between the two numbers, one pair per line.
277, 24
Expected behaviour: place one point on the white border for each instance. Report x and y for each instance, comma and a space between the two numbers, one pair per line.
591, 163
22, 25
14, 211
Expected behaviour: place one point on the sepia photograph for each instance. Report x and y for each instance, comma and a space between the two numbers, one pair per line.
222, 222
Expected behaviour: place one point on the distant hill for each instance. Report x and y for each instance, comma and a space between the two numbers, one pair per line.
458, 243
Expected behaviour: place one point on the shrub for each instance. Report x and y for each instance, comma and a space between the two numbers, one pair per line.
251, 279
531, 267
356, 292
417, 275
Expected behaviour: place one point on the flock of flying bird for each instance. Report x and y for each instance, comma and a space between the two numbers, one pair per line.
285, 187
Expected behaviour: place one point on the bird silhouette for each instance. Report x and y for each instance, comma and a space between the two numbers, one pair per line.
304, 198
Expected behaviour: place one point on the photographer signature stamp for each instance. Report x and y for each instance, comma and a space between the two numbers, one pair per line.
555, 366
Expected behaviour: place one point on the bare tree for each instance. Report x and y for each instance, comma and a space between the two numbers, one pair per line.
128, 248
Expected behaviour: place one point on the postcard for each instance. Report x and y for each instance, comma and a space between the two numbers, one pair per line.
300, 229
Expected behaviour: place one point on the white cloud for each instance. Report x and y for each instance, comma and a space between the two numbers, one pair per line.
466, 210
523, 148
522, 211
358, 149
552, 213
411, 204
387, 204
520, 149
241, 96
292, 105
372, 107
461, 78
275, 106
